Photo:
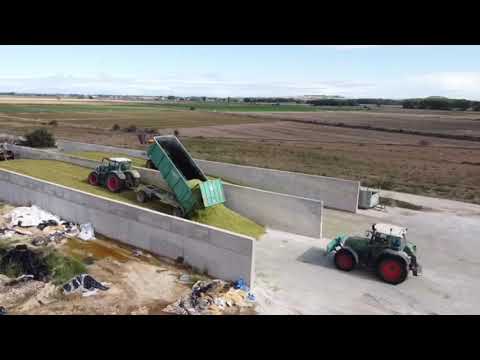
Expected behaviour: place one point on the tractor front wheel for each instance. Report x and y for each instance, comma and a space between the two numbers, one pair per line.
114, 184
344, 260
93, 178
392, 269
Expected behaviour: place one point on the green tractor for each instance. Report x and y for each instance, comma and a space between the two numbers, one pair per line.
384, 248
115, 174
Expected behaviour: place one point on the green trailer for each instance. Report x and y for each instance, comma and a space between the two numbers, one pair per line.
189, 185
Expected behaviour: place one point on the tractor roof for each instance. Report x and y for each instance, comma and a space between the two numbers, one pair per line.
119, 159
390, 229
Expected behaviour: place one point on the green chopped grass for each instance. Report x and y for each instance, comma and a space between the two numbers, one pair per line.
98, 156
222, 217
63, 268
74, 176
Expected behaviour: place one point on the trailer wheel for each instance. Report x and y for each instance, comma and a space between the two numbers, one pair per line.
114, 184
178, 212
392, 269
142, 197
344, 260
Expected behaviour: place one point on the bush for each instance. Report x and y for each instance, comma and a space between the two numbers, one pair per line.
192, 108
131, 128
176, 132
115, 127
40, 138
53, 123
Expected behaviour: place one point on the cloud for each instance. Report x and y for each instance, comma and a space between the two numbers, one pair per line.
204, 85
455, 84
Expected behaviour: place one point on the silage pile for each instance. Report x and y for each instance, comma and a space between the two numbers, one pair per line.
222, 217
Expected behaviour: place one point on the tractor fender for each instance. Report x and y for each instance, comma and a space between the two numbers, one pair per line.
119, 174
354, 253
134, 173
391, 252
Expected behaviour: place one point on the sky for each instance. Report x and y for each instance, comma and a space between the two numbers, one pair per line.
385, 71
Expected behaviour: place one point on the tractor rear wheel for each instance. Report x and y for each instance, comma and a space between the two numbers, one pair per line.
114, 184
344, 260
131, 181
392, 269
93, 178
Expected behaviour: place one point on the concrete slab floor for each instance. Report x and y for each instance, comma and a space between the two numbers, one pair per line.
294, 277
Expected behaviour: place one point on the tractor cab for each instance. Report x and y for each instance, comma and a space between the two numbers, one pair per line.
387, 236
115, 164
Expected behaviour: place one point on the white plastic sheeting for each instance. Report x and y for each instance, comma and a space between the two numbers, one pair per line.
29, 216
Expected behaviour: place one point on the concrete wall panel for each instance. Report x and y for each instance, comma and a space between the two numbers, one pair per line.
279, 211
335, 193
222, 254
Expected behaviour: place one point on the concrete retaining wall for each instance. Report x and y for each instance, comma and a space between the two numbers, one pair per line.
335, 193
279, 211
221, 253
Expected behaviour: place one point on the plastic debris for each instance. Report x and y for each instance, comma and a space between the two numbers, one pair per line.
19, 279
210, 298
83, 283
186, 279
30, 216
137, 253
45, 224
86, 232
241, 284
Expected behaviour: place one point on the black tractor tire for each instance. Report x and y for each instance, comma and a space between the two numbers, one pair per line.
392, 269
142, 196
94, 178
150, 165
131, 182
114, 183
344, 260
178, 212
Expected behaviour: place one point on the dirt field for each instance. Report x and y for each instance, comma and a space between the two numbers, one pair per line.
429, 121
427, 165
104, 115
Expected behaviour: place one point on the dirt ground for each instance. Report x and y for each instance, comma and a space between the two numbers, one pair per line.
427, 165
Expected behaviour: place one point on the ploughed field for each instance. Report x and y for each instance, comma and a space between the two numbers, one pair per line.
308, 142
75, 117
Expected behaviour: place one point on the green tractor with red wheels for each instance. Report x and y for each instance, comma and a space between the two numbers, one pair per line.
116, 174
384, 248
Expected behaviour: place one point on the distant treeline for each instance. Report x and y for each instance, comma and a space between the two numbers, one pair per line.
441, 103
271, 100
333, 102
429, 103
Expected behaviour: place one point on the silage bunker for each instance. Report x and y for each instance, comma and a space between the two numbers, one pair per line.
75, 176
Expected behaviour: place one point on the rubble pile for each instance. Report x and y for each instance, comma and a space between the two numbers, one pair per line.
213, 297
40, 228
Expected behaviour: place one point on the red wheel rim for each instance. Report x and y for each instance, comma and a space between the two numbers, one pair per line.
92, 179
344, 261
113, 183
391, 270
